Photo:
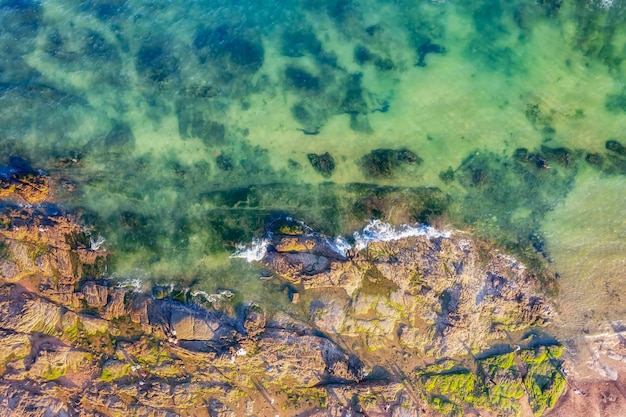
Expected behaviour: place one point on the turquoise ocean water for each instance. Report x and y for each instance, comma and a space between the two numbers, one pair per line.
181, 128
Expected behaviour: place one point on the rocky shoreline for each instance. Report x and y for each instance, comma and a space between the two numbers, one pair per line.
418, 326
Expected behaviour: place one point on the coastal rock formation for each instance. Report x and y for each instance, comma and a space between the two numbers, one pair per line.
421, 326
441, 296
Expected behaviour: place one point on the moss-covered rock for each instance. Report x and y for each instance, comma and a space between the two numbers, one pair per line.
498, 383
114, 369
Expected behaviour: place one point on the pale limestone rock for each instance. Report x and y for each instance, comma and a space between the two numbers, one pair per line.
13, 346
39, 316
188, 326
56, 363
94, 325
16, 401
9, 270
69, 320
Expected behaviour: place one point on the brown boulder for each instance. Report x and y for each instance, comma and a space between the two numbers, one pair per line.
95, 295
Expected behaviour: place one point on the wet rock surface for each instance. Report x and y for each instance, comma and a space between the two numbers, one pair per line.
405, 326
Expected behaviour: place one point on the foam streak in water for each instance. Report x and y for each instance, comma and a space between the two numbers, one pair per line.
377, 231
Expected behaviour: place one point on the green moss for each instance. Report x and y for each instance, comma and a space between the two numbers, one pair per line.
438, 367
37, 251
71, 333
544, 380
54, 373
312, 397
286, 227
497, 384
113, 370
443, 405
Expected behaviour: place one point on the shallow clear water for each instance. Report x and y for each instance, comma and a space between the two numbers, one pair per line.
185, 126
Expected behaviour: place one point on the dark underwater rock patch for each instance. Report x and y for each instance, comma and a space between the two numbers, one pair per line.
612, 162
594, 159
104, 9
428, 47
119, 139
155, 62
381, 163
195, 121
508, 196
295, 44
302, 80
310, 118
246, 55
20, 18
224, 163
353, 101
363, 56
616, 103
322, 163
447, 176
98, 48
534, 158
222, 44
561, 156
616, 147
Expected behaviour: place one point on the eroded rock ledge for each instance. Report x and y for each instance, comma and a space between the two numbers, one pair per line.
410, 327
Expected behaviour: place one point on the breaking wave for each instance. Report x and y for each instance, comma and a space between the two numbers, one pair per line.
374, 231
377, 231
255, 252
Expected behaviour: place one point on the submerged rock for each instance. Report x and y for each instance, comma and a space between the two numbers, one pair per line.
383, 162
614, 146
323, 163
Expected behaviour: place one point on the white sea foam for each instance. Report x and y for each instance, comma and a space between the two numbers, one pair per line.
212, 298
378, 231
339, 245
135, 284
374, 231
255, 252
96, 244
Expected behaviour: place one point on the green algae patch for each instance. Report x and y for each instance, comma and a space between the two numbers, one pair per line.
113, 369
51, 374
496, 383
545, 381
